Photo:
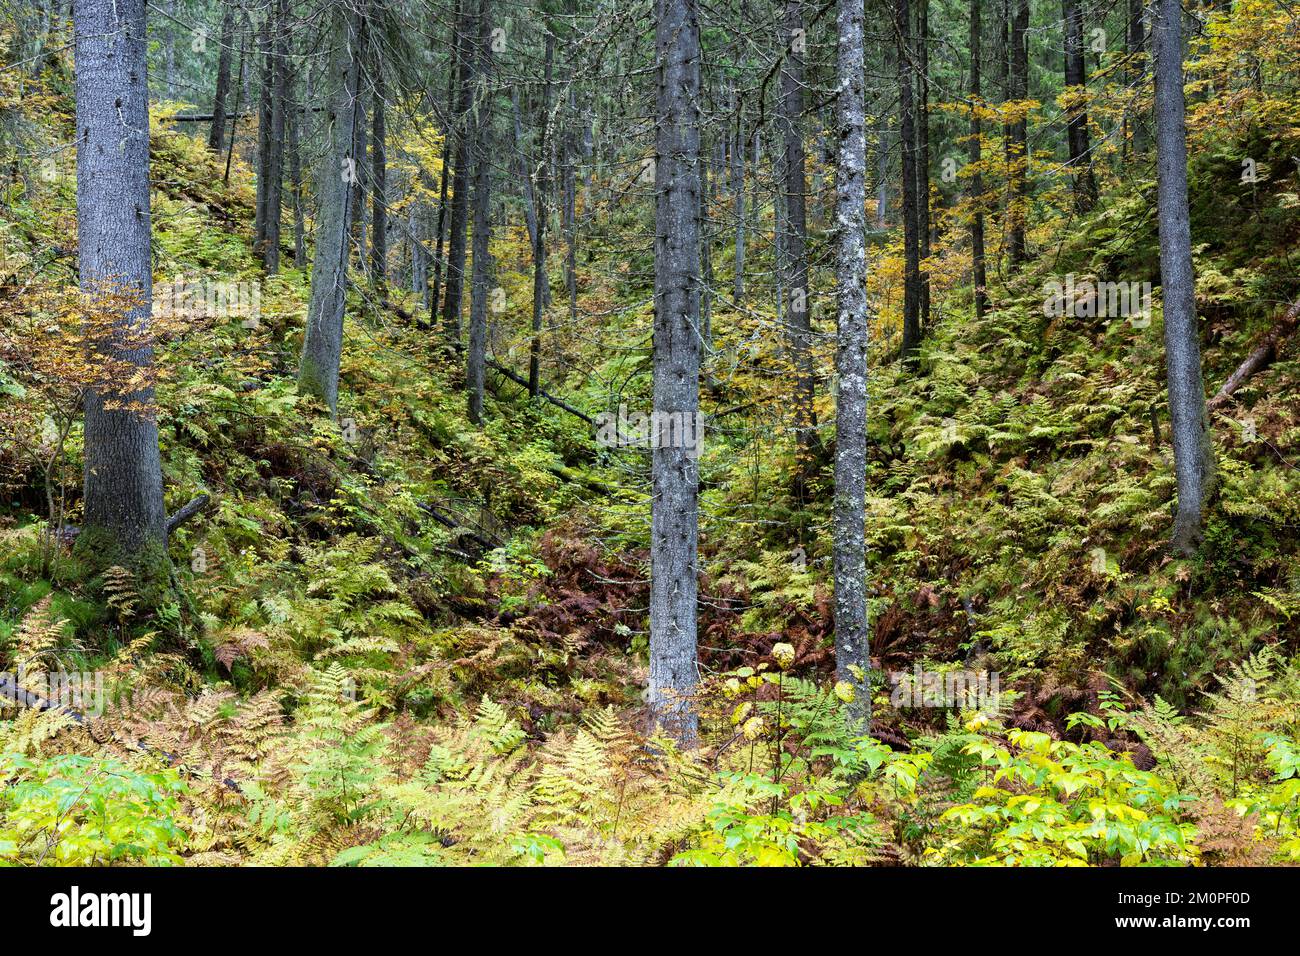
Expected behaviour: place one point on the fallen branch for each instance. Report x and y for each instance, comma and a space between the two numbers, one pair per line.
187, 512
1260, 358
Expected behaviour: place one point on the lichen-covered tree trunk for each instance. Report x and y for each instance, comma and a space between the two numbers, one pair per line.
911, 237
476, 357
1018, 142
379, 180
924, 225
217, 134
322, 347
1080, 162
459, 227
979, 275
1193, 451
674, 524
795, 229
124, 520
852, 660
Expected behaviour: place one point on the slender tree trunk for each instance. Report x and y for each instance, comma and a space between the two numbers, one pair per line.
459, 187
978, 273
911, 239
923, 218
294, 118
379, 182
239, 103
449, 138
476, 359
1080, 161
322, 347
541, 284
279, 72
1019, 205
1136, 41
1193, 450
798, 310
217, 134
738, 204
882, 177
852, 658
675, 474
124, 518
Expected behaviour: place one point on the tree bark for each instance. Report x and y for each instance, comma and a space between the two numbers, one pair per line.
798, 293
322, 347
475, 369
911, 239
978, 273
459, 227
923, 218
217, 135
124, 518
1193, 451
675, 474
1080, 162
1018, 206
852, 657
378, 181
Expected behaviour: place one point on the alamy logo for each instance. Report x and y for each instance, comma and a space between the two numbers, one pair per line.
1089, 299
657, 430
207, 299
75, 909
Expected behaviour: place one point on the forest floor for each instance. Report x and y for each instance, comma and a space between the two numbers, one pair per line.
477, 595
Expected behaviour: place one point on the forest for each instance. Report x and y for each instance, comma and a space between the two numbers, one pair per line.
649, 433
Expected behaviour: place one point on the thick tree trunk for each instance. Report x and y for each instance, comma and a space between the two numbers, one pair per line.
124, 518
322, 347
217, 135
978, 273
911, 239
852, 658
675, 474
476, 357
799, 295
1193, 451
1080, 160
1018, 207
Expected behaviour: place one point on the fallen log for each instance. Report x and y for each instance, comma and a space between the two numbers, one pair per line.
1260, 358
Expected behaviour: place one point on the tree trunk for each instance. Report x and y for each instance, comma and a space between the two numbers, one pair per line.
1019, 205
476, 357
449, 136
798, 310
1193, 451
852, 658
1136, 42
322, 347
379, 182
978, 274
911, 240
675, 474
459, 184
217, 135
541, 284
738, 204
294, 119
923, 218
275, 170
1080, 161
124, 518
